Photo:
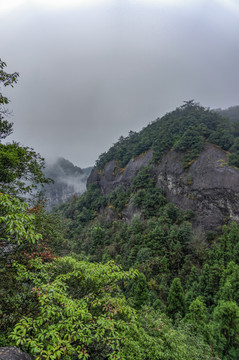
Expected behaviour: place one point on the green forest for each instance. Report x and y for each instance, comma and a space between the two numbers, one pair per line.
76, 284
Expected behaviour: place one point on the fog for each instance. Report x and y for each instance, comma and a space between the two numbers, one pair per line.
91, 73
64, 173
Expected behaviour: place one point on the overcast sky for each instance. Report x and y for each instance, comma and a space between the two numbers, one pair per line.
91, 71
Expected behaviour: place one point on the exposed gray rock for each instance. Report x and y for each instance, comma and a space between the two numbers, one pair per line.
209, 186
130, 212
13, 353
109, 214
112, 176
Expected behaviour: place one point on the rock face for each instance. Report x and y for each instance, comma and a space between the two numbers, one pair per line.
112, 176
13, 353
209, 186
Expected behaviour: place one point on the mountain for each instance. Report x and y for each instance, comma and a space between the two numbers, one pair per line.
193, 157
68, 179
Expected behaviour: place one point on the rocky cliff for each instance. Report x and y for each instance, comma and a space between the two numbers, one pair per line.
112, 175
208, 186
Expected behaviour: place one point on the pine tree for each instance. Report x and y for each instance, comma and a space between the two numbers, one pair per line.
225, 328
141, 296
197, 316
176, 299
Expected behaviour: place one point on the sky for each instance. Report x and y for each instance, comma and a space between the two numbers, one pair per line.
92, 70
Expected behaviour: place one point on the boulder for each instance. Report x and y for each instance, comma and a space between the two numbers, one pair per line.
13, 353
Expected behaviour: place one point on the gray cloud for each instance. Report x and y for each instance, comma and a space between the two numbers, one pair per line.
89, 75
